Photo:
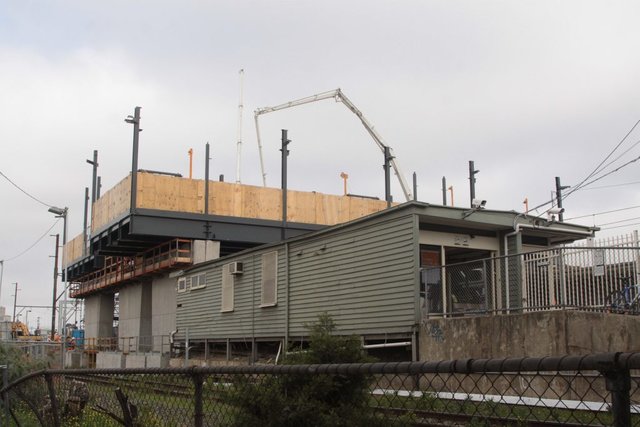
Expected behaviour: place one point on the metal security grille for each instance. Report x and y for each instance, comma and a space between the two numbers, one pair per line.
573, 390
594, 278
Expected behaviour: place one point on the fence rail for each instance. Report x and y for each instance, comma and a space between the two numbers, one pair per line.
572, 390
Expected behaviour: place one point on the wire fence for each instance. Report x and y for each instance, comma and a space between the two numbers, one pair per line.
604, 278
596, 389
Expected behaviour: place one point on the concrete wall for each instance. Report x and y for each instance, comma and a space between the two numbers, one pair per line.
135, 314
205, 250
532, 334
163, 311
98, 318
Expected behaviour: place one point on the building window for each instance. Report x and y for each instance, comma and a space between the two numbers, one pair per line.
182, 285
227, 289
199, 281
269, 286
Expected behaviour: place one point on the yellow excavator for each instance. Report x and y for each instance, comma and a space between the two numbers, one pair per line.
20, 332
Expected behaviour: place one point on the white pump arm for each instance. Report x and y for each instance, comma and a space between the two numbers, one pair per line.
339, 96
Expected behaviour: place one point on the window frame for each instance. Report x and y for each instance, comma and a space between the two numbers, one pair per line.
265, 281
227, 289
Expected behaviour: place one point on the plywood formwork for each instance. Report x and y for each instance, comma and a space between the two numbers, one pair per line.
175, 194
111, 205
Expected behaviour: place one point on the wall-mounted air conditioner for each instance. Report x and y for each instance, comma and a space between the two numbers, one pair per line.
236, 268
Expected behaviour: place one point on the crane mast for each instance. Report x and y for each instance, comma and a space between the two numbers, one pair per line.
338, 96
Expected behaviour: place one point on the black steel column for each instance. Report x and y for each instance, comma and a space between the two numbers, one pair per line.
285, 154
206, 179
559, 189
98, 187
387, 175
94, 180
135, 120
84, 222
472, 182
444, 191
415, 187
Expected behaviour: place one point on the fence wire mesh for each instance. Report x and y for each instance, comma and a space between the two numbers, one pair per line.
588, 390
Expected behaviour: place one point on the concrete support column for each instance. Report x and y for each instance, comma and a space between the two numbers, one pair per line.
98, 319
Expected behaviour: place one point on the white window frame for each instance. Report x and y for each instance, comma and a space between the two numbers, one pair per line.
182, 285
271, 280
227, 289
198, 281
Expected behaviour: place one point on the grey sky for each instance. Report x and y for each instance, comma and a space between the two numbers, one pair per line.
529, 90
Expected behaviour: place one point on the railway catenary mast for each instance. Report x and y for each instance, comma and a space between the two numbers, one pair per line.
339, 96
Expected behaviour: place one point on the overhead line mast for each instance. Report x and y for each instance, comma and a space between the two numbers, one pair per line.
339, 96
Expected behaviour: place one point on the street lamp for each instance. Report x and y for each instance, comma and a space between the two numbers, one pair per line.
62, 213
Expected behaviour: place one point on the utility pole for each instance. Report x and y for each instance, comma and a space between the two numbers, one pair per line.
55, 290
559, 189
472, 182
285, 154
15, 302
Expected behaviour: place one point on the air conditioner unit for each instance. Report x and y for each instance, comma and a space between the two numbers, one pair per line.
236, 268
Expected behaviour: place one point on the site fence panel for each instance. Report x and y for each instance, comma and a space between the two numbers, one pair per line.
588, 390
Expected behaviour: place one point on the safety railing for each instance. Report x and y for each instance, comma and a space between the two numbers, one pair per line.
552, 391
120, 270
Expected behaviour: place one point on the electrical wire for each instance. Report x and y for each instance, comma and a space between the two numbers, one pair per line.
602, 213
29, 195
621, 226
618, 222
595, 171
613, 185
35, 243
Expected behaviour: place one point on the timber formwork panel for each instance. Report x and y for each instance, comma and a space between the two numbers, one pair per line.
174, 194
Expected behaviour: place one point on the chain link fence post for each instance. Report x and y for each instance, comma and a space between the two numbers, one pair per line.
618, 382
5, 395
52, 398
198, 415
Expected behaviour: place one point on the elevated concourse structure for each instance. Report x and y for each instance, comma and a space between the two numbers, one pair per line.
122, 267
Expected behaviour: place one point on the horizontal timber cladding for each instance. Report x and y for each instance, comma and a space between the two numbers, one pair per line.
363, 276
200, 309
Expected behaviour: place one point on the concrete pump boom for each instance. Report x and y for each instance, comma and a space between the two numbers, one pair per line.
339, 96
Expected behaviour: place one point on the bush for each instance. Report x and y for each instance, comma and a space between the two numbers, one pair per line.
20, 364
309, 399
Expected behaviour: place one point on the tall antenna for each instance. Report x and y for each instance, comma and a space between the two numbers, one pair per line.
239, 133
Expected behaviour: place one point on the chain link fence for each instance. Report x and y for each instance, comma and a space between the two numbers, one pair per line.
584, 278
587, 390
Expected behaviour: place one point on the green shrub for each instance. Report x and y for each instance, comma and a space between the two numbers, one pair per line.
309, 399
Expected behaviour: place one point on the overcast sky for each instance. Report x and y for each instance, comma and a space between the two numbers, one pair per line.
529, 90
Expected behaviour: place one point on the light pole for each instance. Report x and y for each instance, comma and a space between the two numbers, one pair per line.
62, 213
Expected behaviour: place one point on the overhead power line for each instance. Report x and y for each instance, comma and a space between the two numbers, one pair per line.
602, 213
34, 243
613, 185
620, 221
29, 195
621, 226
